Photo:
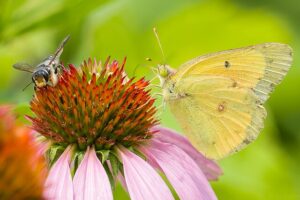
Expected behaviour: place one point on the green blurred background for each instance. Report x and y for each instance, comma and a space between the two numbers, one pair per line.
268, 168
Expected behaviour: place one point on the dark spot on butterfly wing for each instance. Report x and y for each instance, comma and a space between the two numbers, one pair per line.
271, 61
221, 106
247, 141
234, 84
227, 64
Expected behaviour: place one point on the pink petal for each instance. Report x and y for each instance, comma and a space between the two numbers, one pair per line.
211, 170
90, 180
59, 181
142, 181
182, 172
122, 181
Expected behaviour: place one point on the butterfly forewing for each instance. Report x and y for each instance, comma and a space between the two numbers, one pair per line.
260, 67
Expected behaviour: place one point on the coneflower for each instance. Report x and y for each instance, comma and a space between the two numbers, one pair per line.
22, 173
102, 128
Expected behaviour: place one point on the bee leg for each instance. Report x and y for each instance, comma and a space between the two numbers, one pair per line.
58, 69
61, 66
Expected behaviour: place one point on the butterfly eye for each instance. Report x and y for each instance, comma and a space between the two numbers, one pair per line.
162, 71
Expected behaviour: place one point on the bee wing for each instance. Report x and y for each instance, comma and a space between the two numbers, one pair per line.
63, 43
60, 49
24, 67
61, 46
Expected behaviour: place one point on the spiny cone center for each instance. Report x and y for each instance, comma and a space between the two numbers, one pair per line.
94, 105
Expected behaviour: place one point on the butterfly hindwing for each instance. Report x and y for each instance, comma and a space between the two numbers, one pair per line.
218, 121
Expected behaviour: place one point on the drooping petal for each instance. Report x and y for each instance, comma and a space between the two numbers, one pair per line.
182, 172
42, 145
59, 181
90, 180
122, 181
142, 181
211, 170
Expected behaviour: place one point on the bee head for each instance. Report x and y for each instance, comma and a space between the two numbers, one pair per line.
40, 77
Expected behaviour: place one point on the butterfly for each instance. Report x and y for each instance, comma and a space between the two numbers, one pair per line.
218, 98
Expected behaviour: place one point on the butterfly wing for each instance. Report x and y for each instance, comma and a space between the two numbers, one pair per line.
218, 98
218, 117
24, 67
259, 67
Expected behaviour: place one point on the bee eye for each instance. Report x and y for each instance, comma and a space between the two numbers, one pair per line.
48, 71
46, 76
39, 75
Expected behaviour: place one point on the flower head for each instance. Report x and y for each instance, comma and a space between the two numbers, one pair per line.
98, 107
102, 126
22, 172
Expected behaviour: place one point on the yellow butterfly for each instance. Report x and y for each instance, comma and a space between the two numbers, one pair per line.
218, 98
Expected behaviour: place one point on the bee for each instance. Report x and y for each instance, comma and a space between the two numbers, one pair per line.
46, 72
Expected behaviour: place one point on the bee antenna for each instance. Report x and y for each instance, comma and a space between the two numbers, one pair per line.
159, 43
27, 86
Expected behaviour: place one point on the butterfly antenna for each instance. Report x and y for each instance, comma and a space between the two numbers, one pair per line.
60, 48
159, 43
26, 86
139, 65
